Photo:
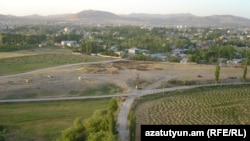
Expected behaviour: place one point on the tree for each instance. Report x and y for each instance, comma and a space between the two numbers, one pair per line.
111, 122
100, 127
132, 126
74, 133
217, 73
113, 105
98, 122
245, 71
102, 136
2, 132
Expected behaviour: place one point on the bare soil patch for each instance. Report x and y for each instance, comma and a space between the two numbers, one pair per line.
63, 81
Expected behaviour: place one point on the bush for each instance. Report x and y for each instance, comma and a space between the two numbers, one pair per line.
181, 82
2, 132
110, 53
132, 126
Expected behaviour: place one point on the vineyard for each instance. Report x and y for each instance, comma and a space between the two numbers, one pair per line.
211, 105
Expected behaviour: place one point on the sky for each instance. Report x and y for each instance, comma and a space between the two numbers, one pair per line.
196, 7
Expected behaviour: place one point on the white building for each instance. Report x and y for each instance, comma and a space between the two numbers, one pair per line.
133, 50
69, 43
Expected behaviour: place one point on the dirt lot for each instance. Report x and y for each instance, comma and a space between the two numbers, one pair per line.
62, 82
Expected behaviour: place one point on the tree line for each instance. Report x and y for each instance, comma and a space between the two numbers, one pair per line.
212, 54
8, 38
12, 42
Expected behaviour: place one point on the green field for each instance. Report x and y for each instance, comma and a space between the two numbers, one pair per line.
107, 89
208, 105
22, 63
44, 121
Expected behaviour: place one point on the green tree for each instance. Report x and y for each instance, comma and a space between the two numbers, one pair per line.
100, 127
245, 71
113, 105
74, 133
98, 122
111, 122
102, 136
2, 132
132, 126
217, 73
98, 136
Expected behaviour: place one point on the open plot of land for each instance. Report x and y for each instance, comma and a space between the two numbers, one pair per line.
208, 105
17, 62
107, 78
44, 121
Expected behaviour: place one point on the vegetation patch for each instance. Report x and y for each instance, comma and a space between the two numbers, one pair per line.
177, 82
206, 105
101, 126
102, 90
33, 62
44, 120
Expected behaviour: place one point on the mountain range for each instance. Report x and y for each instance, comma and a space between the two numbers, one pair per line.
93, 17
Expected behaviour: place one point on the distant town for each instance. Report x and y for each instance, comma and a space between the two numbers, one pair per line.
174, 44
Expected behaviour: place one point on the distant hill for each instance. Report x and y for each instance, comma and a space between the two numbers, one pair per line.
35, 16
160, 16
96, 14
102, 17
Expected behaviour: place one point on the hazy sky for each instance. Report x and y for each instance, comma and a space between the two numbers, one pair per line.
196, 7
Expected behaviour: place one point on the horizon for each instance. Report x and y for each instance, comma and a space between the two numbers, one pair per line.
125, 7
125, 14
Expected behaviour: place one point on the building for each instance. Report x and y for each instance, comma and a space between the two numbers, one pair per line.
69, 43
114, 48
235, 61
222, 61
145, 52
133, 50
120, 53
160, 56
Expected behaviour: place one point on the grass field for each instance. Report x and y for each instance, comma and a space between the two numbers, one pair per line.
107, 89
208, 105
43, 121
16, 63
